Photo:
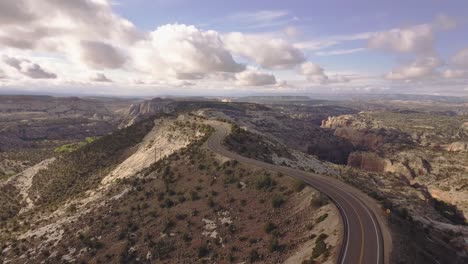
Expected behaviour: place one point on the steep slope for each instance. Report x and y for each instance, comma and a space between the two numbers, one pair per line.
114, 201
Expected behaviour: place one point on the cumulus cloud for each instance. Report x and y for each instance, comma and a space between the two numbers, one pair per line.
2, 74
422, 67
100, 55
316, 74
271, 53
62, 26
458, 65
100, 77
313, 72
417, 39
455, 73
17, 11
460, 59
184, 52
254, 77
27, 68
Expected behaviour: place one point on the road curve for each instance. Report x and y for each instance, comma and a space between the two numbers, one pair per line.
366, 239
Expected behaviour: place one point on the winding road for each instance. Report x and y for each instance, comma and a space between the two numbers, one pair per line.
366, 239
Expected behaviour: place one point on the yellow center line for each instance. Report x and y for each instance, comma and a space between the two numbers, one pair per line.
362, 235
253, 162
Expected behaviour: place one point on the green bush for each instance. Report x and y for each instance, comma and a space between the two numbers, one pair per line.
273, 245
277, 201
320, 246
269, 227
299, 185
322, 217
264, 182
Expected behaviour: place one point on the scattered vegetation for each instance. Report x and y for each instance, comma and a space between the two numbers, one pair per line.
320, 246
277, 201
299, 185
84, 168
67, 148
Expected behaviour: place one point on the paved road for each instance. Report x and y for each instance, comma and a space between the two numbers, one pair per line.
363, 240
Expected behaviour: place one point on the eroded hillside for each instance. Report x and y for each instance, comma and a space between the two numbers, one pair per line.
153, 193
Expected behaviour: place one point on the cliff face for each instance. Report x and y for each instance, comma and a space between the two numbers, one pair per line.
412, 146
364, 134
138, 112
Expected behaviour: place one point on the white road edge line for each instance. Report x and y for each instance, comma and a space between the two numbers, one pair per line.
375, 228
372, 218
347, 232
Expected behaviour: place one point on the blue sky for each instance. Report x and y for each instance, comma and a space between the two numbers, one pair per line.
145, 47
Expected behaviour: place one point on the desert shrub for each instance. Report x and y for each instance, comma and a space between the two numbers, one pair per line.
162, 249
320, 246
203, 251
299, 185
89, 242
254, 256
264, 182
269, 227
273, 245
230, 179
277, 201
194, 196
319, 201
322, 217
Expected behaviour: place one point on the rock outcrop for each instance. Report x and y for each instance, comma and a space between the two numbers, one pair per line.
138, 112
364, 134
457, 147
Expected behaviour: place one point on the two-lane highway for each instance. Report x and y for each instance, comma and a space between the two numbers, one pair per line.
366, 238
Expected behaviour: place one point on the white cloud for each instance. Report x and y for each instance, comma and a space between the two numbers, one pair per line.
458, 66
417, 39
455, 73
339, 52
259, 16
184, 52
100, 77
271, 53
316, 74
313, 73
62, 26
27, 68
292, 32
460, 59
263, 18
444, 22
315, 45
12, 12
422, 67
100, 55
2, 74
254, 77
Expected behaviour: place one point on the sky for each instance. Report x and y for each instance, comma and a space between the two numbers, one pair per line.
182, 47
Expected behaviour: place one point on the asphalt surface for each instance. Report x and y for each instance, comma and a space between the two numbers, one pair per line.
363, 226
